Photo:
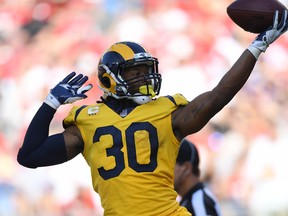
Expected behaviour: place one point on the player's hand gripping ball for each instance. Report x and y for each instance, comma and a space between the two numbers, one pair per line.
254, 16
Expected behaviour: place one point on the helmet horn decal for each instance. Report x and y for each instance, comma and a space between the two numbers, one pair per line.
125, 51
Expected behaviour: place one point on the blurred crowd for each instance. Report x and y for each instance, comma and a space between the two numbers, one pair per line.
243, 149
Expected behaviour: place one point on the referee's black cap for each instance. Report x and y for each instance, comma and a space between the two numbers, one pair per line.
188, 152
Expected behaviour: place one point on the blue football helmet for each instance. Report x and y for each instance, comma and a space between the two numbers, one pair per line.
112, 66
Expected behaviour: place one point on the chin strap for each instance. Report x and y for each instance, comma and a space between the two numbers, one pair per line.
141, 99
146, 94
147, 90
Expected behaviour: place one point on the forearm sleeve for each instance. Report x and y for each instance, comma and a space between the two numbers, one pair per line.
38, 149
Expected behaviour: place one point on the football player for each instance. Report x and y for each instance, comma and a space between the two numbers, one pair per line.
131, 138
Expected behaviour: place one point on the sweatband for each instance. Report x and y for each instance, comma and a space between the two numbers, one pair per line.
255, 52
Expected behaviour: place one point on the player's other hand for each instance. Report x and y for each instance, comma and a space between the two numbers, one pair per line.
68, 90
264, 39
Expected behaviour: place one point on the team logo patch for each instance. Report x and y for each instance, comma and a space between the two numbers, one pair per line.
93, 110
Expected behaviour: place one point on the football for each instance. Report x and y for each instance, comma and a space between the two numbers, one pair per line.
254, 16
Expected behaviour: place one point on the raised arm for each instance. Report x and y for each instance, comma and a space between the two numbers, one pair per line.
40, 149
195, 115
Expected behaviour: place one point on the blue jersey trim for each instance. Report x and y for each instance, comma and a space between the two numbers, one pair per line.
171, 99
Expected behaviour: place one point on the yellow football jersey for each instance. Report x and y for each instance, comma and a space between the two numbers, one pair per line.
132, 158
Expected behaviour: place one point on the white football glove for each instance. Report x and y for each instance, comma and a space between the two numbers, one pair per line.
68, 91
264, 39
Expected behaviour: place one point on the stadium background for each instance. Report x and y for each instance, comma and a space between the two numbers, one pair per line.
243, 149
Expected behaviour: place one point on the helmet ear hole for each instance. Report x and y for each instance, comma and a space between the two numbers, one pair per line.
104, 77
105, 81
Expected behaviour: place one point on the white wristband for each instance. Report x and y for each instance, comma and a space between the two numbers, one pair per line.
255, 52
52, 101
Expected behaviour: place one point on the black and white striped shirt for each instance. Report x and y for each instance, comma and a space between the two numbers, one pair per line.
201, 202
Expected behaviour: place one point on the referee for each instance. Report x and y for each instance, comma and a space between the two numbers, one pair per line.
195, 196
